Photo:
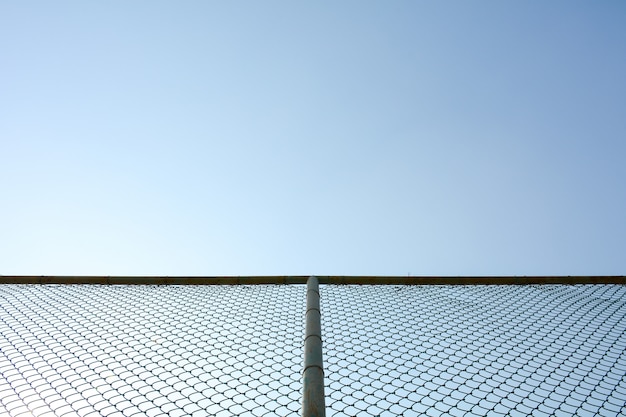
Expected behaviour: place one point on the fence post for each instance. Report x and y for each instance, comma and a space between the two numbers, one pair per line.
313, 375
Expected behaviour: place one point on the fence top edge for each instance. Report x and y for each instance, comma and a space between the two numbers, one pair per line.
323, 279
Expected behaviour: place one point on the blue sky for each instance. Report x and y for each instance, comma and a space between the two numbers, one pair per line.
261, 138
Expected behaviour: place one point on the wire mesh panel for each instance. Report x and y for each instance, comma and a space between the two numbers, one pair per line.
540, 350
116, 350
91, 350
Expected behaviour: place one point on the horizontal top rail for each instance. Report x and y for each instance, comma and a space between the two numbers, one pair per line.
302, 279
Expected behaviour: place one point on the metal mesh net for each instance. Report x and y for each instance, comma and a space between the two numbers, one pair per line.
92, 350
87, 350
538, 350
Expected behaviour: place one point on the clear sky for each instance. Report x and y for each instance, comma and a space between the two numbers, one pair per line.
280, 137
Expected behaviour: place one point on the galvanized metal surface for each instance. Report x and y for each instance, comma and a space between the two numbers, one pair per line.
150, 280
313, 403
471, 280
301, 279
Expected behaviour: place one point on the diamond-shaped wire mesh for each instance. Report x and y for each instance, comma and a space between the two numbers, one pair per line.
90, 350
540, 350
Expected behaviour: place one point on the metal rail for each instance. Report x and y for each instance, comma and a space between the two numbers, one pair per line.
313, 404
302, 279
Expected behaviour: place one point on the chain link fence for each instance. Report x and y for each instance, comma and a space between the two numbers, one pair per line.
554, 350
389, 350
91, 350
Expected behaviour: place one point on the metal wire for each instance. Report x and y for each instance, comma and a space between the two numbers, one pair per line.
551, 350
389, 350
70, 350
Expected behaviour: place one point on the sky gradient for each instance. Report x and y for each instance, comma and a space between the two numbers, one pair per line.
331, 138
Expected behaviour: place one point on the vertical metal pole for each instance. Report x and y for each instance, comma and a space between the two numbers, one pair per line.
313, 375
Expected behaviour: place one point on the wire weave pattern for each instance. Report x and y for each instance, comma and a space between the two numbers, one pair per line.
433, 350
87, 350
540, 350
